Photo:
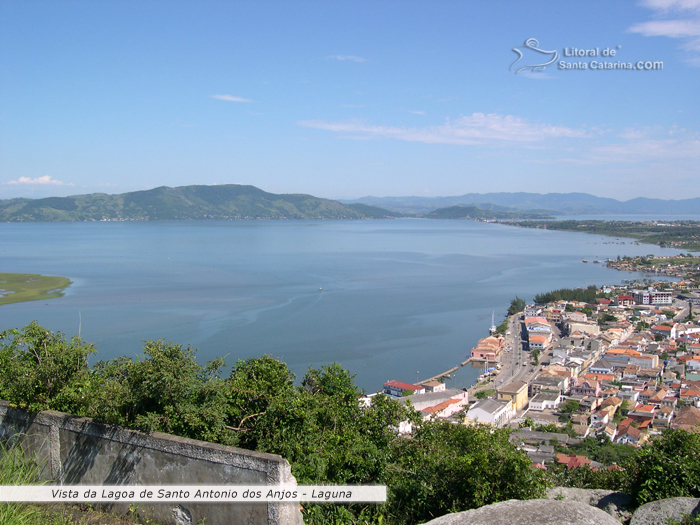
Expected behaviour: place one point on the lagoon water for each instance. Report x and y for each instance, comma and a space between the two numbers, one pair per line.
388, 299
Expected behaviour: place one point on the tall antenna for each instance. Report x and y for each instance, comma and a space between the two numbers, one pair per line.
493, 323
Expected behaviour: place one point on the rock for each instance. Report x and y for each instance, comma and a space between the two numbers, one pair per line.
661, 511
530, 512
614, 503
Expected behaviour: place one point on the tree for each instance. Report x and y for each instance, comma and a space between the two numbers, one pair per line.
569, 406
667, 468
41, 370
516, 305
164, 390
450, 468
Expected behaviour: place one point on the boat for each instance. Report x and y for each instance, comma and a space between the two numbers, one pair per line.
584, 260
596, 261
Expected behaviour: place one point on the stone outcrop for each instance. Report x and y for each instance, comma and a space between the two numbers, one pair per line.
664, 510
530, 512
614, 503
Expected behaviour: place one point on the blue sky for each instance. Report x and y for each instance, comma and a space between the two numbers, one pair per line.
346, 99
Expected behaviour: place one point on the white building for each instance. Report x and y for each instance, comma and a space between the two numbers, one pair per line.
491, 412
652, 297
545, 401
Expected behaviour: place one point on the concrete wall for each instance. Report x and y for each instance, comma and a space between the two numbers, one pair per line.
81, 451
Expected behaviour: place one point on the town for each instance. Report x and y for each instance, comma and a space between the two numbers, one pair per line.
620, 368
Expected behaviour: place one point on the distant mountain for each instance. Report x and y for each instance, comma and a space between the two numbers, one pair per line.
229, 201
551, 203
474, 212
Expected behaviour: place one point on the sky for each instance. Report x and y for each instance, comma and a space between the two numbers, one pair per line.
346, 99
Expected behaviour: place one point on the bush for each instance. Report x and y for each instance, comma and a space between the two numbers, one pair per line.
451, 468
667, 468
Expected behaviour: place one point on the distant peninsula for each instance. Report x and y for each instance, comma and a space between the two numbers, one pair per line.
481, 214
21, 287
223, 202
684, 235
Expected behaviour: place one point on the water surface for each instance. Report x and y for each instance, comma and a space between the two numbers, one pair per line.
388, 299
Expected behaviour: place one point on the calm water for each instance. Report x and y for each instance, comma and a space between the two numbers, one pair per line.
387, 299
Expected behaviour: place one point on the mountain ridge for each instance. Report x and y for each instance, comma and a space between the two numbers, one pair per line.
575, 203
194, 202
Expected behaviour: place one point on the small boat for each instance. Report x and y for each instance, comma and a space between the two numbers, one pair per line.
584, 260
596, 262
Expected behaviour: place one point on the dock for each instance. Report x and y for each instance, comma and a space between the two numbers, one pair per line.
454, 369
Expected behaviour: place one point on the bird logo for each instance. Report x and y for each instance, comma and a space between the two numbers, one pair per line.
533, 45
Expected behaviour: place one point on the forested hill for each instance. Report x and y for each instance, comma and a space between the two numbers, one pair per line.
229, 201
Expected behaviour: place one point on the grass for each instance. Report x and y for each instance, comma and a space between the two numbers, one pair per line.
17, 469
20, 287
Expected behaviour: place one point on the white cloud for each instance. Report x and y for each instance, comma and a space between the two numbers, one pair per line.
231, 98
686, 28
645, 144
416, 112
669, 28
672, 5
352, 58
46, 179
476, 129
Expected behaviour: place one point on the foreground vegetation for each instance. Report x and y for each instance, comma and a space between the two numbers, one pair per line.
318, 426
20, 287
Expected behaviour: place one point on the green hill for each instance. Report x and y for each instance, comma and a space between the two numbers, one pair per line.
229, 201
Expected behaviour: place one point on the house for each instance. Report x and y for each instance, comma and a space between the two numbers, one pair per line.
397, 388
604, 366
601, 377
652, 297
613, 401
645, 361
550, 383
491, 412
609, 430
545, 401
586, 387
688, 418
573, 461
658, 397
623, 300
629, 435
488, 349
433, 386
515, 392
690, 396
668, 332
431, 399
581, 431
445, 409
610, 392
600, 418
642, 414
539, 342
629, 395
662, 417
